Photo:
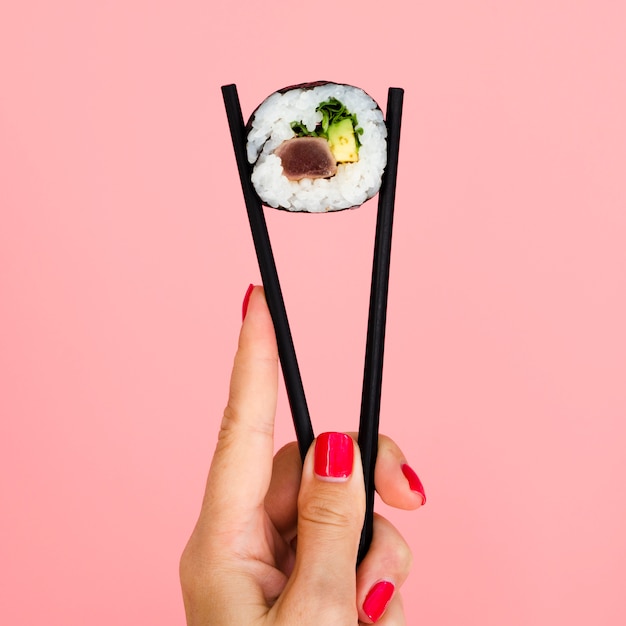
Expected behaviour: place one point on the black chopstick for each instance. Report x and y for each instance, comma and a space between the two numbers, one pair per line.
373, 370
372, 377
269, 275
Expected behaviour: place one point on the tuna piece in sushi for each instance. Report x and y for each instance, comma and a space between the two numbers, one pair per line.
317, 147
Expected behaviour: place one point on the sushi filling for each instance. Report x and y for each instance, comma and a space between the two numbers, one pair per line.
316, 153
306, 157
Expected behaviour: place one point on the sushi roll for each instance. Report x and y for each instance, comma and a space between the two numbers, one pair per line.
317, 147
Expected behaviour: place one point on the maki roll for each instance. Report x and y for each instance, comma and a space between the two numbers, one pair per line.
317, 147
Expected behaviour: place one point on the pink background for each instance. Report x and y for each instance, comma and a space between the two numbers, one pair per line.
125, 253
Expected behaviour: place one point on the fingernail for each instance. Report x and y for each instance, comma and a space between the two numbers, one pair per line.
377, 599
246, 300
334, 456
415, 484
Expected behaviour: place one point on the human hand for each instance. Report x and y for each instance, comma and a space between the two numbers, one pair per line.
241, 565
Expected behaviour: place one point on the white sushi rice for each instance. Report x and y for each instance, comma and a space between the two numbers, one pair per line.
353, 183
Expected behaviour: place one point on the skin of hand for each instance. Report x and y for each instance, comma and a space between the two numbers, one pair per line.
241, 565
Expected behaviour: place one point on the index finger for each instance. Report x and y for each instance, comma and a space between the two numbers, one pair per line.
242, 464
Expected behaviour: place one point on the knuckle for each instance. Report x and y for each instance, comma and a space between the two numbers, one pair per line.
190, 571
235, 423
202, 574
395, 552
329, 510
227, 427
405, 558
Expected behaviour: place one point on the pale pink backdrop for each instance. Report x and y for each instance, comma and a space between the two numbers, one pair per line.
125, 253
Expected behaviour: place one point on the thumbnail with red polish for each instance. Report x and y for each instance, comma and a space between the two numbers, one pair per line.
334, 456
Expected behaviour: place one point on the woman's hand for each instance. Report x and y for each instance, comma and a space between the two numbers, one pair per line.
241, 566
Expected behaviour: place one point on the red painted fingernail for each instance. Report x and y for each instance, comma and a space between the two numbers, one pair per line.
415, 484
334, 456
246, 300
377, 599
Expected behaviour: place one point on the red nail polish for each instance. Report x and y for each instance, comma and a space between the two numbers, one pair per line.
415, 484
377, 599
334, 456
246, 300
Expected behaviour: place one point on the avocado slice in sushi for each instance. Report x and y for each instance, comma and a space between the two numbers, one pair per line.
342, 141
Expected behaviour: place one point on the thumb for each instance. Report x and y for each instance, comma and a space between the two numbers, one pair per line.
331, 509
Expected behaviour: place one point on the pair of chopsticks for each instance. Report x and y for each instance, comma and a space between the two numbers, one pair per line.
373, 369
